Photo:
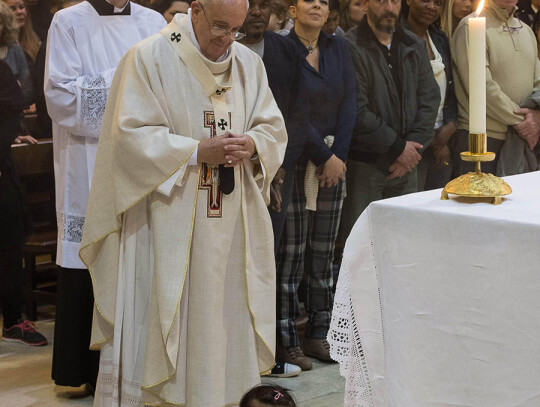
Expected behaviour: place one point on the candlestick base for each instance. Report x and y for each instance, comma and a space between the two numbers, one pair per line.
480, 157
477, 185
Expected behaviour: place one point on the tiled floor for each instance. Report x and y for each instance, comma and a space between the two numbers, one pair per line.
25, 377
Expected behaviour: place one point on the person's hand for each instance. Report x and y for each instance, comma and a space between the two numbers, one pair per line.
443, 134
442, 155
212, 150
275, 190
31, 109
238, 148
26, 139
529, 128
332, 171
397, 170
410, 157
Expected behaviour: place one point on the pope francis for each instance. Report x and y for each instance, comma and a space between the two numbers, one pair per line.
177, 236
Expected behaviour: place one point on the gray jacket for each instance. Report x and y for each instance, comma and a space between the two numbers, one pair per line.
383, 123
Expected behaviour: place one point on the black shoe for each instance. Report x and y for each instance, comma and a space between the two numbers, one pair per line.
90, 389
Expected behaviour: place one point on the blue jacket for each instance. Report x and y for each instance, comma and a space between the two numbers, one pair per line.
332, 98
283, 65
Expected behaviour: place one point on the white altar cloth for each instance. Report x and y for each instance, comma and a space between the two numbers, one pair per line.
438, 302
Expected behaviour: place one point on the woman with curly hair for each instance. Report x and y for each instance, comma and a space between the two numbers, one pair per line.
12, 53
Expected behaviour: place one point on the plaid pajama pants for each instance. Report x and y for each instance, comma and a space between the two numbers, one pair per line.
307, 245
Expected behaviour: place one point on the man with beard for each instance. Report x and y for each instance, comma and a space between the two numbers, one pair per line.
397, 102
283, 66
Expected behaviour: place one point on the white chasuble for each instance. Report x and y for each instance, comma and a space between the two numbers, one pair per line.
184, 279
83, 51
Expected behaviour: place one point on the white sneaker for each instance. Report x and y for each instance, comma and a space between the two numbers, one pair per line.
282, 369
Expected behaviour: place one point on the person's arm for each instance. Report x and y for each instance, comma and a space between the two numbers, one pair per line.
297, 116
75, 101
24, 78
428, 99
11, 99
347, 111
450, 109
266, 128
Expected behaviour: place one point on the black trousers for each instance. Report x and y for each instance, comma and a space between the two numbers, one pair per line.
74, 363
11, 278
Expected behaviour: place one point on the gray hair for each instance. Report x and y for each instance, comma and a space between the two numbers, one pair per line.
208, 2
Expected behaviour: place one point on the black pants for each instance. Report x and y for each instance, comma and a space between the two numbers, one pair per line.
74, 363
11, 277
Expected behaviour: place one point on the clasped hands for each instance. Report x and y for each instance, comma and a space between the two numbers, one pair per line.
529, 128
407, 160
228, 149
331, 172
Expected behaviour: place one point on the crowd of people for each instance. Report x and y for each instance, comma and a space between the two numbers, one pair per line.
211, 158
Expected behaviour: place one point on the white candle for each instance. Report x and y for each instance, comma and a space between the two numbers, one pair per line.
477, 74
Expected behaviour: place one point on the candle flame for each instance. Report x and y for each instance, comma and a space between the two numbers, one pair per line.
479, 9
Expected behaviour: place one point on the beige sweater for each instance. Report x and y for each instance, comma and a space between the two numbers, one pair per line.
512, 68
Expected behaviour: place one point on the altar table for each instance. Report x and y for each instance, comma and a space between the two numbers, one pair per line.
438, 302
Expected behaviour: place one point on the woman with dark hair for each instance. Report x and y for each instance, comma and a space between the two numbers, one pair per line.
12, 53
351, 13
421, 16
307, 243
169, 8
12, 216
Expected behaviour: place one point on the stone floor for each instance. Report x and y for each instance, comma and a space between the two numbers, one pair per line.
25, 377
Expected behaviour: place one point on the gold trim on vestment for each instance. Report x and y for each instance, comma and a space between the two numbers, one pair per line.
93, 345
148, 386
245, 266
97, 345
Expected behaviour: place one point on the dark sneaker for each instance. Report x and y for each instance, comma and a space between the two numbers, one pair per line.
317, 348
294, 356
282, 369
24, 332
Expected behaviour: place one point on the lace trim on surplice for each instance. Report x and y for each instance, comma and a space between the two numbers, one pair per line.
93, 100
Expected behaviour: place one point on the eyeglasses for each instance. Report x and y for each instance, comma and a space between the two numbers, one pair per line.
216, 31
513, 29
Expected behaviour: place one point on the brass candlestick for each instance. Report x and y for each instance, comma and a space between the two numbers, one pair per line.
477, 184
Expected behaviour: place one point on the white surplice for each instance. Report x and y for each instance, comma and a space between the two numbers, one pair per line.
82, 54
185, 292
